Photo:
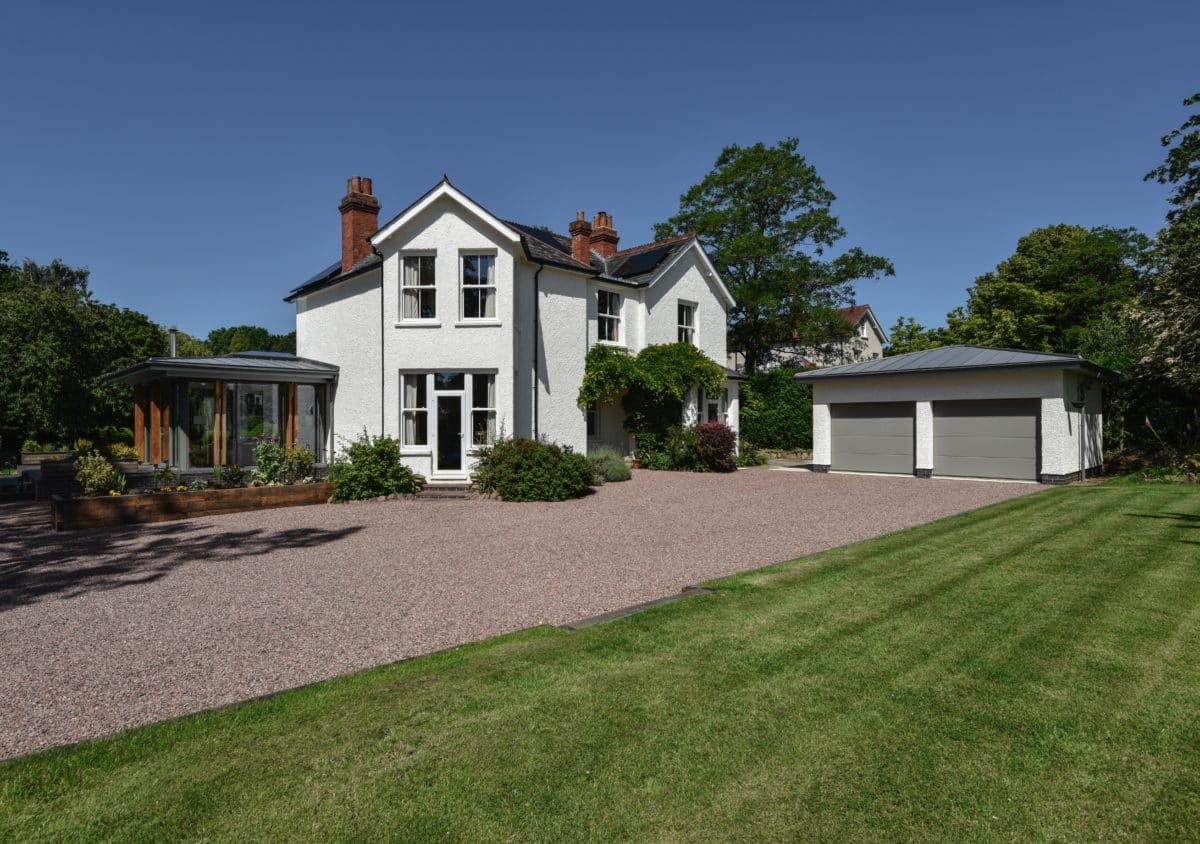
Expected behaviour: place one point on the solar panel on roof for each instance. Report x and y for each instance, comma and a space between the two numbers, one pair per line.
643, 262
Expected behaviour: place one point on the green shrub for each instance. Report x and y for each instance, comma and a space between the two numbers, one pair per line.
682, 448
270, 462
749, 455
95, 473
31, 445
299, 464
370, 467
113, 434
610, 465
121, 451
165, 476
228, 477
715, 445
776, 412
82, 445
528, 470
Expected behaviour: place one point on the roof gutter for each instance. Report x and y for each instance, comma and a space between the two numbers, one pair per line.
382, 356
1095, 370
537, 331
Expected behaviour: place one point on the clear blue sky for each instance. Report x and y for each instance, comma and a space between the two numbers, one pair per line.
193, 155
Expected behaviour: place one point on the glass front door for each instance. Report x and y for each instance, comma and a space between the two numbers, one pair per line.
449, 434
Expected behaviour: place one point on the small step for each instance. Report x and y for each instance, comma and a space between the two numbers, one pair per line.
445, 491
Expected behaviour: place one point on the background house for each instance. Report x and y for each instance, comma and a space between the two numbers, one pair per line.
866, 342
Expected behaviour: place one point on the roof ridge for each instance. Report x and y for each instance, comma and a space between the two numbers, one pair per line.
675, 238
1068, 355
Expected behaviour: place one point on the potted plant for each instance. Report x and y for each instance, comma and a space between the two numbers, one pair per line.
124, 457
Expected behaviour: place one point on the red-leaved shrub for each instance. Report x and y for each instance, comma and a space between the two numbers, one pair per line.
717, 443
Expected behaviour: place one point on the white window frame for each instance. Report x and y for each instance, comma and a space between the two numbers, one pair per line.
405, 411
421, 289
604, 317
492, 429
681, 327
591, 415
721, 401
463, 287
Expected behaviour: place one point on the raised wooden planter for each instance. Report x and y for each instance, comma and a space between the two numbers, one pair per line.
82, 513
33, 458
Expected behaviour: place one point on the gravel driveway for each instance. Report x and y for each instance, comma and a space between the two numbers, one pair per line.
107, 629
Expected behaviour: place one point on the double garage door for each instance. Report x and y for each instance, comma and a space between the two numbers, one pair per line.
973, 439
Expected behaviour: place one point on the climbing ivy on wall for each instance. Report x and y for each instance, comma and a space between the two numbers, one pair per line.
653, 383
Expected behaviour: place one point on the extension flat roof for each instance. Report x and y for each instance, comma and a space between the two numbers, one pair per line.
237, 366
959, 359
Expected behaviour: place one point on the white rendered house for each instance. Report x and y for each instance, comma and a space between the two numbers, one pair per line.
450, 326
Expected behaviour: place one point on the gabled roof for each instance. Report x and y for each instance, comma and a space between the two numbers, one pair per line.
856, 313
637, 266
441, 189
959, 359
236, 366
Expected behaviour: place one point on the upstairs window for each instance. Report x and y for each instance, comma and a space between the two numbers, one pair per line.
687, 323
608, 316
420, 288
479, 287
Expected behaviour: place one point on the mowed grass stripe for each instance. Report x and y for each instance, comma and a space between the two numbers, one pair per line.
1026, 670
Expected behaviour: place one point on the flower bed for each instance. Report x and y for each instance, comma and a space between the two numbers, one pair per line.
107, 511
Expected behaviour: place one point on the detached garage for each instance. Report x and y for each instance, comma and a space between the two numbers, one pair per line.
961, 411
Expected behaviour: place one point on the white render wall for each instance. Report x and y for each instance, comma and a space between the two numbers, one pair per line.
1055, 389
924, 435
564, 344
340, 325
447, 343
685, 282
1061, 455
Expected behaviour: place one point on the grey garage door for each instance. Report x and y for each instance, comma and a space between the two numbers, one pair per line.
986, 439
873, 437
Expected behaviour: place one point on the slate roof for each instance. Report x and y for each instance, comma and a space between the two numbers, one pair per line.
959, 359
332, 275
635, 266
237, 366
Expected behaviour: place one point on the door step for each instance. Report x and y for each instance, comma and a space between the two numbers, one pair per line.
447, 492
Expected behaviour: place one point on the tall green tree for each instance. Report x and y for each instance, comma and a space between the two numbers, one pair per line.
56, 344
908, 335
763, 214
1172, 308
1059, 279
246, 338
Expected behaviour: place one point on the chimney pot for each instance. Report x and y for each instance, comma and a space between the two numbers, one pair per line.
581, 234
604, 237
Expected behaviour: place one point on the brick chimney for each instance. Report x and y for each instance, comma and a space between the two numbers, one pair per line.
581, 235
604, 236
360, 219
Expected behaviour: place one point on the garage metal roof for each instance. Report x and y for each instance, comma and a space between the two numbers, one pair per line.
958, 359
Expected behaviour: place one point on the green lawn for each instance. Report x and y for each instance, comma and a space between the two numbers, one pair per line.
1030, 670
